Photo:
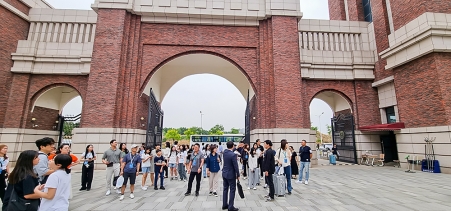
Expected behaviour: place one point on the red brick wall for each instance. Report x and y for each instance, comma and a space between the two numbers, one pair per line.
45, 118
406, 11
355, 10
422, 90
12, 29
337, 10
143, 106
19, 5
381, 30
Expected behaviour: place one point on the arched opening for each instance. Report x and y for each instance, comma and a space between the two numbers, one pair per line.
52, 103
205, 90
331, 111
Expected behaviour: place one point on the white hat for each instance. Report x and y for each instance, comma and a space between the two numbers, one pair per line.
134, 145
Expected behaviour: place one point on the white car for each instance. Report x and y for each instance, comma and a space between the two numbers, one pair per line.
326, 147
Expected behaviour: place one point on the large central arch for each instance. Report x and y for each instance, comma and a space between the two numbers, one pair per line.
191, 63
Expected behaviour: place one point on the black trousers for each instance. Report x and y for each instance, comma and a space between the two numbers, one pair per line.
259, 163
86, 176
270, 182
191, 179
228, 183
2, 184
245, 168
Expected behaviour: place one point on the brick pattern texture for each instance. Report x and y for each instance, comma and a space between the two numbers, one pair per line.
406, 11
381, 30
423, 91
45, 118
355, 10
337, 10
19, 5
12, 29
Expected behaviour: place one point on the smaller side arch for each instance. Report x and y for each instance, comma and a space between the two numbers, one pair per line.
67, 93
337, 101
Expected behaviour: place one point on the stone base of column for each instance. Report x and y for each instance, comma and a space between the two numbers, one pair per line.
100, 138
294, 136
19, 140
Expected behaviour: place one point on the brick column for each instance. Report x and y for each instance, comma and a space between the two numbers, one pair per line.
355, 10
337, 10
102, 97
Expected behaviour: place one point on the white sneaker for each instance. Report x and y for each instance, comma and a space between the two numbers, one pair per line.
108, 192
297, 181
255, 188
132, 196
306, 182
144, 188
121, 198
244, 177
115, 188
118, 191
248, 188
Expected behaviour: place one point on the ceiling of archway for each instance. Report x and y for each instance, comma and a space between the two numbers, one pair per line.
334, 100
56, 98
183, 66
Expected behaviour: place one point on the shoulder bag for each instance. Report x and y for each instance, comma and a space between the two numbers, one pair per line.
16, 203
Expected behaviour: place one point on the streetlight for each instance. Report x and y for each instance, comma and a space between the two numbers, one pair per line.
201, 114
320, 134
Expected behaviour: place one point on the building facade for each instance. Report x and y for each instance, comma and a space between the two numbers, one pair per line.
384, 62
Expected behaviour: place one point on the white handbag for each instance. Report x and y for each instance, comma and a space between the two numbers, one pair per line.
119, 182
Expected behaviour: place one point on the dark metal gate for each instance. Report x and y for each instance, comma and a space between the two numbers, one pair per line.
154, 132
61, 121
247, 119
344, 137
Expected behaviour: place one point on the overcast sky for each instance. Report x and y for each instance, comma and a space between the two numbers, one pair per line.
218, 99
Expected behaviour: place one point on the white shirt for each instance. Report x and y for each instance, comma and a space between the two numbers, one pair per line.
4, 162
61, 181
283, 156
166, 152
182, 156
173, 158
89, 155
145, 163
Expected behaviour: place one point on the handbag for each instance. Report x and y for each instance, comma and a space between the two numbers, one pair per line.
17, 203
119, 182
240, 190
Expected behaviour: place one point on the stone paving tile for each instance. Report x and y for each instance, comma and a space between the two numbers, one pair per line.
331, 188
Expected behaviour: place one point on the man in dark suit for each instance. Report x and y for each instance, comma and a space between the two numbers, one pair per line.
230, 174
268, 167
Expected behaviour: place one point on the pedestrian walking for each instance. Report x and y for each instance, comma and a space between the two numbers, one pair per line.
306, 155
23, 180
195, 169
294, 163
166, 151
268, 167
111, 158
160, 162
124, 150
260, 157
56, 191
245, 158
45, 146
4, 168
335, 151
213, 167
173, 161
87, 170
254, 176
230, 175
130, 170
182, 163
283, 155
146, 168
205, 153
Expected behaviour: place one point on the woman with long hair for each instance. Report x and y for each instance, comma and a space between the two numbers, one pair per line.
23, 180
283, 159
87, 170
294, 163
245, 158
181, 166
56, 191
123, 148
205, 152
173, 162
147, 167
253, 170
166, 152
4, 168
213, 167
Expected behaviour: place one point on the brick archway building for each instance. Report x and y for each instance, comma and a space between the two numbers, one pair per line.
370, 53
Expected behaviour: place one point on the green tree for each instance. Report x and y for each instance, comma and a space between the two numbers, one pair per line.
188, 133
217, 130
182, 130
329, 129
234, 131
314, 128
68, 127
173, 135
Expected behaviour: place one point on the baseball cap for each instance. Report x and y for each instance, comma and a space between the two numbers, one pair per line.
134, 145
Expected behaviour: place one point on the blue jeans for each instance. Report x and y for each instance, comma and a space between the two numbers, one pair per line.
204, 170
287, 171
161, 174
303, 165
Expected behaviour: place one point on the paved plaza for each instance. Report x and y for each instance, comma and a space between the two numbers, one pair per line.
330, 188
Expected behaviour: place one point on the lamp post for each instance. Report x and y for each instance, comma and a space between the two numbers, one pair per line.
320, 134
201, 114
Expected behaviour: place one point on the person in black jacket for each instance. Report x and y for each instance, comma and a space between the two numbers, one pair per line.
268, 167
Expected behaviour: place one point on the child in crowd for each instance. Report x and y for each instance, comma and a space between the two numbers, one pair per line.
159, 165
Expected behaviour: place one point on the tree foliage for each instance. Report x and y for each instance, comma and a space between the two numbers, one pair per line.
68, 127
329, 129
188, 133
173, 135
217, 130
234, 131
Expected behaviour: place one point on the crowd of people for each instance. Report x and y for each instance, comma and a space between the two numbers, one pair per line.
41, 180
